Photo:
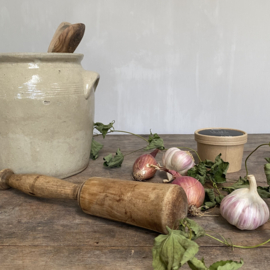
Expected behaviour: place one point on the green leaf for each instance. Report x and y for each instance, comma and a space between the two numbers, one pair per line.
196, 264
226, 265
219, 198
210, 195
104, 129
241, 183
267, 159
114, 161
210, 171
191, 229
264, 192
198, 172
172, 251
211, 199
218, 170
267, 172
95, 148
154, 142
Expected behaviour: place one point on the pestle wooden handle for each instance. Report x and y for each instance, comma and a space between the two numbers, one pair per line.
148, 205
39, 185
67, 38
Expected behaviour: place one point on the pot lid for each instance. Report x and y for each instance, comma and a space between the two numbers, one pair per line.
221, 136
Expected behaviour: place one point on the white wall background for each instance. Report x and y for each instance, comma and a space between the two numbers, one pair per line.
172, 66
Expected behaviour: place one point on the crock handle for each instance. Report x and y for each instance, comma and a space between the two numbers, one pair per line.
91, 80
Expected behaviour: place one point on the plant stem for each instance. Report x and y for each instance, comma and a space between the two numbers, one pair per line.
236, 246
134, 151
251, 154
130, 133
214, 185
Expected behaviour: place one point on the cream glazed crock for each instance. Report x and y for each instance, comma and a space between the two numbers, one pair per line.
46, 113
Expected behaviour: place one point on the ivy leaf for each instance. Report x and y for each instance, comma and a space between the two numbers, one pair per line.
191, 229
103, 129
173, 250
154, 142
95, 148
114, 161
267, 159
226, 265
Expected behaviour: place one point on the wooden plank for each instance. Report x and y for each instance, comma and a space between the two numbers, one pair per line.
40, 222
40, 233
131, 258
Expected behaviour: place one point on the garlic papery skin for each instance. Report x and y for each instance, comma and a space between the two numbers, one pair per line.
244, 208
178, 160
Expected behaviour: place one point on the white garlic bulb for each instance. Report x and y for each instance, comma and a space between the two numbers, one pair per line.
178, 160
244, 208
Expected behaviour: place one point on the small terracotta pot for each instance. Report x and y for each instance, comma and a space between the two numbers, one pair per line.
47, 113
229, 142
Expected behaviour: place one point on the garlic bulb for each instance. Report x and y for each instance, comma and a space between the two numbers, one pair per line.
244, 208
178, 160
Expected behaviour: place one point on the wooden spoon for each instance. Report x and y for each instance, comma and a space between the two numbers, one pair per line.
67, 37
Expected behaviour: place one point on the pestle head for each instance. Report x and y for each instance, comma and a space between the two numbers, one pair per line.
4, 176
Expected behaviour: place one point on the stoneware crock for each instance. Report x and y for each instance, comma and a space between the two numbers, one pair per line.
46, 113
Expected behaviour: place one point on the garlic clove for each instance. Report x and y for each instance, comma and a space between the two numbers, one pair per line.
167, 156
244, 208
182, 161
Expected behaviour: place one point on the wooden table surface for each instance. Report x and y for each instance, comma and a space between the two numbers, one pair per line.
38, 233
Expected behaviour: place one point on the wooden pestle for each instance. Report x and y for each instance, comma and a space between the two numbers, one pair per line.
66, 38
62, 26
148, 205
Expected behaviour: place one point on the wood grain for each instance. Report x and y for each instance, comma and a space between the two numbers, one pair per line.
39, 185
62, 26
148, 205
67, 38
38, 233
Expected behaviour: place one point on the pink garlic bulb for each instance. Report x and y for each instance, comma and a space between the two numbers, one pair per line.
178, 160
244, 208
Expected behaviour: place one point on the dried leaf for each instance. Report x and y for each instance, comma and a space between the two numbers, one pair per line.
111, 161
191, 229
154, 142
104, 129
208, 170
196, 264
172, 251
95, 148
226, 265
